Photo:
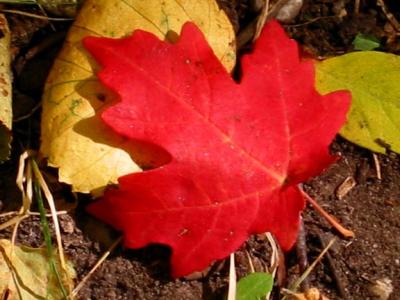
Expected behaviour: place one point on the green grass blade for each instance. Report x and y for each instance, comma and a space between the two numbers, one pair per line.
47, 236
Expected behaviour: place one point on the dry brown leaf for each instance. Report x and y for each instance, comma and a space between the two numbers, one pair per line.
5, 90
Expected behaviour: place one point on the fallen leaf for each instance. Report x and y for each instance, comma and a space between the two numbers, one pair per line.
372, 78
32, 274
254, 286
345, 187
88, 154
5, 90
63, 8
365, 43
238, 150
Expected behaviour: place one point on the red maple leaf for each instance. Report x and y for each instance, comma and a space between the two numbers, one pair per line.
238, 150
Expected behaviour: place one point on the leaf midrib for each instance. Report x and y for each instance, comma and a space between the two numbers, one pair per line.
219, 132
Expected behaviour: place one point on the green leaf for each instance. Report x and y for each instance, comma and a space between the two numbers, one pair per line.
365, 42
254, 286
373, 79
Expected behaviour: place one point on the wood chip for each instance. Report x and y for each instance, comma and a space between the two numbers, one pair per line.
345, 187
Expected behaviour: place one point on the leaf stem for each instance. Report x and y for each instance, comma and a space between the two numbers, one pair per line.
331, 219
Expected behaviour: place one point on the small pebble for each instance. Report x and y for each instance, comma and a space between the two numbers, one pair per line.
289, 11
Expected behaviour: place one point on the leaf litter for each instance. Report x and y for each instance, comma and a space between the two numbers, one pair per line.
356, 158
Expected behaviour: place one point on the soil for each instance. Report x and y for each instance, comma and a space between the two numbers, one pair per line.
371, 208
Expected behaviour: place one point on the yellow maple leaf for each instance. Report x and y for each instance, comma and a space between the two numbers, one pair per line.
25, 273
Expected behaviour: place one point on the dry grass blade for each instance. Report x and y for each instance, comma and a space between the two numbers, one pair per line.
275, 255
30, 2
50, 201
232, 278
24, 176
377, 166
389, 15
28, 177
47, 237
31, 213
293, 287
252, 270
13, 221
274, 258
75, 292
261, 20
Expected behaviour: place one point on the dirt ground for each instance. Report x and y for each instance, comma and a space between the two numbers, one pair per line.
371, 208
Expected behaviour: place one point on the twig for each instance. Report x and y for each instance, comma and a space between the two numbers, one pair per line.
332, 220
76, 290
293, 287
247, 34
296, 284
339, 284
29, 114
301, 252
262, 18
26, 14
356, 7
31, 213
391, 18
311, 21
33, 2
